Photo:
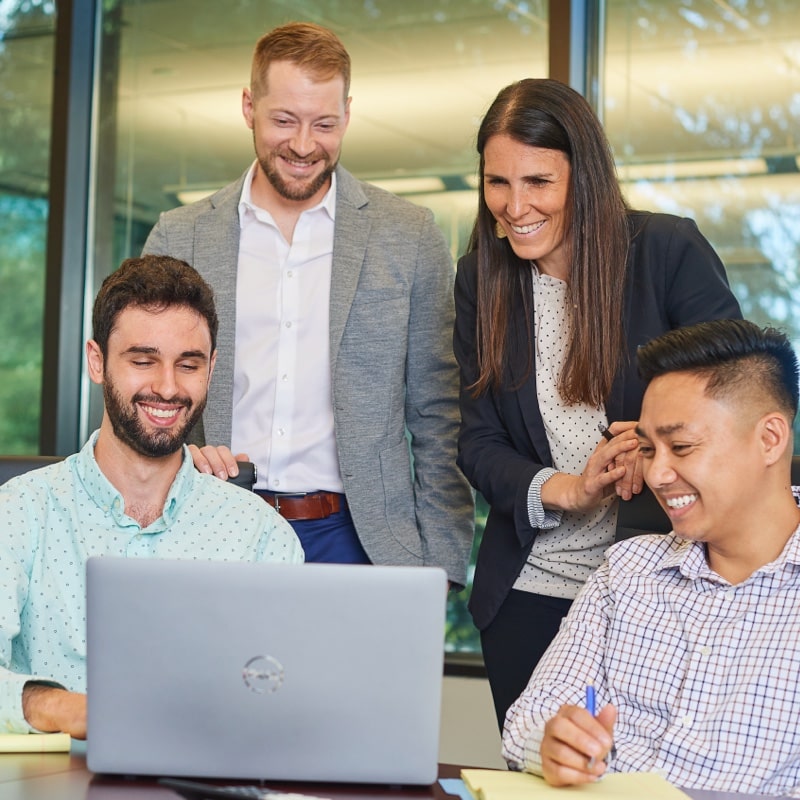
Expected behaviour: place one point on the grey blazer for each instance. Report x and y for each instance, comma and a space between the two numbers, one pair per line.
392, 365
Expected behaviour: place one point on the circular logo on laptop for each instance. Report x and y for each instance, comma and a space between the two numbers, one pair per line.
263, 674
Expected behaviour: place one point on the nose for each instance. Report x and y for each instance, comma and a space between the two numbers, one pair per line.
303, 141
165, 383
517, 205
658, 471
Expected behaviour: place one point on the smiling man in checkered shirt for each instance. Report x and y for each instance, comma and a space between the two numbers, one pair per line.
691, 640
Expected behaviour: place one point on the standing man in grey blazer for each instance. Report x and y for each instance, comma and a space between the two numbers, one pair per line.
335, 372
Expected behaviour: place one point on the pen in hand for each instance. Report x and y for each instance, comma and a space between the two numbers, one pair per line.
590, 700
605, 431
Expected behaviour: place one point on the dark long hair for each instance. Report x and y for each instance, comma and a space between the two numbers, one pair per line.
546, 113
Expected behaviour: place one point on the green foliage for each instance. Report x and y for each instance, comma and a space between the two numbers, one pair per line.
23, 231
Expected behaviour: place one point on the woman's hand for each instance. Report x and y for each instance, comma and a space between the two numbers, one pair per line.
605, 467
632, 481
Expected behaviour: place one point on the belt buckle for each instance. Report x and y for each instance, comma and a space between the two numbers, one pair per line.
278, 496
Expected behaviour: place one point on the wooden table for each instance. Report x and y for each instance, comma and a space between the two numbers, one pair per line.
64, 776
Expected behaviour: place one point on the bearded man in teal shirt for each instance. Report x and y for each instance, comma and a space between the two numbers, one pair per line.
132, 491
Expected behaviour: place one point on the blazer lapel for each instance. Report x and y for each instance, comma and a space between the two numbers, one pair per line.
523, 337
351, 235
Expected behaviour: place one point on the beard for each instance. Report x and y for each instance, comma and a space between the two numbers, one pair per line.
129, 429
293, 190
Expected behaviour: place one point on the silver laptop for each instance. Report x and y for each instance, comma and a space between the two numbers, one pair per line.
315, 672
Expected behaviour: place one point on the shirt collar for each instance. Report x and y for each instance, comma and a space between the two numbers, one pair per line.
690, 558
103, 493
246, 205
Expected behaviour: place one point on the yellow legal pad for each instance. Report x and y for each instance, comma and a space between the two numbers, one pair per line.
34, 742
491, 784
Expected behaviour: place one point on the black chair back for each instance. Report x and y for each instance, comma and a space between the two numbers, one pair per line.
11, 466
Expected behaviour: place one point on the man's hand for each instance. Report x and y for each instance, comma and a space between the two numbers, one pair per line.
576, 744
217, 461
54, 710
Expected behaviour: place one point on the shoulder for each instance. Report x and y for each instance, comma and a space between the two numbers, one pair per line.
651, 226
32, 492
225, 198
642, 554
376, 201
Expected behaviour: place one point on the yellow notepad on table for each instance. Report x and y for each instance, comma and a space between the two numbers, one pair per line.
491, 784
34, 742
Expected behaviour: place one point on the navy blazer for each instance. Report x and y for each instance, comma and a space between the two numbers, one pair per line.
674, 278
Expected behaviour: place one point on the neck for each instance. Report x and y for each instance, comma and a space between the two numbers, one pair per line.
284, 211
757, 542
143, 482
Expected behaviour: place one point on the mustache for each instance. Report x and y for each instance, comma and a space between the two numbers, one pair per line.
186, 402
317, 155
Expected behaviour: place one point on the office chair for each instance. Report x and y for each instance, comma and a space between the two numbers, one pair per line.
11, 466
643, 514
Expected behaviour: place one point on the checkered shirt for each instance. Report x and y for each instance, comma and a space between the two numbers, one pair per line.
705, 675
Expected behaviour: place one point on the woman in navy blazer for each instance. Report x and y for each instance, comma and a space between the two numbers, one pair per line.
561, 285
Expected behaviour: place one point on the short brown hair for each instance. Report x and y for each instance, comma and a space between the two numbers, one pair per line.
310, 46
154, 283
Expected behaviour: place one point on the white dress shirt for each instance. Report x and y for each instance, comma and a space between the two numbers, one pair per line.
282, 408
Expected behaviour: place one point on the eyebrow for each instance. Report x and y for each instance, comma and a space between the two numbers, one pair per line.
662, 430
533, 176
154, 351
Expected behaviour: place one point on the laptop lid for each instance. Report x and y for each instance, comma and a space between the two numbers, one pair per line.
316, 672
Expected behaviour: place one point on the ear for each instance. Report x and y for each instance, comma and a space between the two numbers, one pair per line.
775, 435
248, 107
347, 112
95, 361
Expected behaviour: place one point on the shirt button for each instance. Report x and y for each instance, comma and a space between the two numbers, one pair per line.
277, 483
288, 324
281, 432
687, 720
289, 274
728, 594
705, 650
284, 378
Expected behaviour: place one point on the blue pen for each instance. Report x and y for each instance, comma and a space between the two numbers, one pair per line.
590, 700
591, 709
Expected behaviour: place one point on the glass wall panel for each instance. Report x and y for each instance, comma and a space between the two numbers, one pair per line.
702, 105
424, 71
26, 65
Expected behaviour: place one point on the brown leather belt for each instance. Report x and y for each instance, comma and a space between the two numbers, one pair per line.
310, 505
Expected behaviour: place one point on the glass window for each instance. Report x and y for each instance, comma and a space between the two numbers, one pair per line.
423, 74
26, 64
702, 102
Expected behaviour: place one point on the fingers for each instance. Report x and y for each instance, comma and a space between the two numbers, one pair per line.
217, 461
575, 745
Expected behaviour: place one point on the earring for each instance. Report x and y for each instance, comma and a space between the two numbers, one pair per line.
499, 231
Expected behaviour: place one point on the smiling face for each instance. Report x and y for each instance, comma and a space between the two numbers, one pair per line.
298, 125
527, 191
155, 377
704, 459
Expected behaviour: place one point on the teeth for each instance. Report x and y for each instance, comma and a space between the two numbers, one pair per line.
682, 501
526, 228
163, 413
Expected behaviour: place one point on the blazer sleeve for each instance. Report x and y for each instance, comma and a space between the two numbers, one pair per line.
443, 500
494, 451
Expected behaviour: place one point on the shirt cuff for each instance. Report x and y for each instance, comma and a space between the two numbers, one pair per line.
533, 752
538, 516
